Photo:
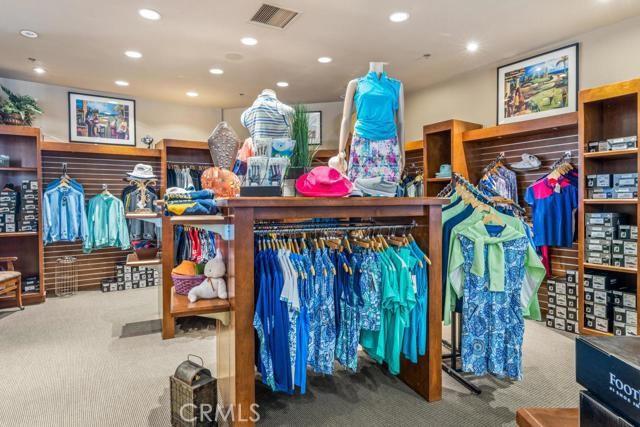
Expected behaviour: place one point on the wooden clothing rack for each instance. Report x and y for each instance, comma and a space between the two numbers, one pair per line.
236, 337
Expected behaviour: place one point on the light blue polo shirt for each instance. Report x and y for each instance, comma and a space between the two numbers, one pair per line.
376, 101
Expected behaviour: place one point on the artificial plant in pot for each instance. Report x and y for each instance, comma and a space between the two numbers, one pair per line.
301, 158
18, 109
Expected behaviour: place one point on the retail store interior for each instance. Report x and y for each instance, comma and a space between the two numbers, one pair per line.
311, 213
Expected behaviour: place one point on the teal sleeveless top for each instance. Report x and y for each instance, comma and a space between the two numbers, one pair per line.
376, 102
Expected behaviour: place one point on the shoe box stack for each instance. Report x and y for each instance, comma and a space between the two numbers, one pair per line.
613, 144
30, 284
8, 209
29, 206
612, 186
19, 209
562, 311
609, 306
609, 241
131, 277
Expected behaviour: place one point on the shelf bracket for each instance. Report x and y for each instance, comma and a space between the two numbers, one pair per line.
224, 317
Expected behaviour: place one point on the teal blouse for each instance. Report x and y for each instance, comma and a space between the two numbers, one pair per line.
376, 102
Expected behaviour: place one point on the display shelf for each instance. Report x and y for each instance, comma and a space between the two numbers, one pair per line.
589, 331
133, 215
20, 131
610, 201
438, 179
23, 146
17, 169
181, 306
606, 267
616, 154
196, 219
442, 144
133, 261
522, 129
414, 145
606, 112
74, 147
19, 234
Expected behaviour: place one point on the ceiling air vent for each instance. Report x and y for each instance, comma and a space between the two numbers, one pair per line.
273, 16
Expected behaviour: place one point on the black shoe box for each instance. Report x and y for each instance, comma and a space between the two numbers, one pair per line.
609, 368
594, 413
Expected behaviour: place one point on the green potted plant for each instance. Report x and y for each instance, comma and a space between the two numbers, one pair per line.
18, 110
301, 158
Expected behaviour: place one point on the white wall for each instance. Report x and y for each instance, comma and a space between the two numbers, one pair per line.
155, 118
607, 55
331, 117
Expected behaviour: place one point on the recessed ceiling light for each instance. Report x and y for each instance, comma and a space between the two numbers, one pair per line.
282, 84
324, 59
133, 54
39, 70
29, 34
398, 17
217, 71
192, 94
149, 14
122, 83
249, 41
472, 46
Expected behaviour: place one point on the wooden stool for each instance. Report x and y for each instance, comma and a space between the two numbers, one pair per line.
548, 417
11, 281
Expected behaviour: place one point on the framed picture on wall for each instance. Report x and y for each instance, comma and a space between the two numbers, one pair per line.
102, 119
541, 86
315, 127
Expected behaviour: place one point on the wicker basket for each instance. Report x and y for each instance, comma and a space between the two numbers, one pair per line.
184, 284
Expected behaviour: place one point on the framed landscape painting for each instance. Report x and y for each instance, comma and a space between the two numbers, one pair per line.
541, 86
102, 119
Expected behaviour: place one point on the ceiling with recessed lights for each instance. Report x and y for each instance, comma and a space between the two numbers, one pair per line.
329, 42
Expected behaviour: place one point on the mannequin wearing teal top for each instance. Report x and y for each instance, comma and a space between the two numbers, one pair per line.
375, 120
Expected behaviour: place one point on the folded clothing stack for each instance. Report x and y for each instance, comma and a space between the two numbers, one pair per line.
181, 202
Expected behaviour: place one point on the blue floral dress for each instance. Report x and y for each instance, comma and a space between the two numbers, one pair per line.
493, 323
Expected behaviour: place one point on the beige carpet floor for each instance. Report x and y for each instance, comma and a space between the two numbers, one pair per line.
97, 359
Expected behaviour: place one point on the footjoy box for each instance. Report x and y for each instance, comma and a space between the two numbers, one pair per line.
609, 367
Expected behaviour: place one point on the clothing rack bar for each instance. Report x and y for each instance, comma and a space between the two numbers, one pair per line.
293, 229
188, 163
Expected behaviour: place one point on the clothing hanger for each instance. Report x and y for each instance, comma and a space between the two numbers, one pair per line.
492, 218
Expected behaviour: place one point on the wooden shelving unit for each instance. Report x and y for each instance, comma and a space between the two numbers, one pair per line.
442, 143
19, 234
173, 306
609, 111
22, 144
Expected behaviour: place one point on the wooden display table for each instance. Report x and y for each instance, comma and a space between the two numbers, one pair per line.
548, 417
236, 341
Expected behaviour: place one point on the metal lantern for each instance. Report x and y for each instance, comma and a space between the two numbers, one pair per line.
193, 395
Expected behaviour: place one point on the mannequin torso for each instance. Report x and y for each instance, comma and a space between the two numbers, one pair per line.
376, 69
267, 117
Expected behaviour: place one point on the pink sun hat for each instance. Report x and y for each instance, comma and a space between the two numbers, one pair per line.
324, 181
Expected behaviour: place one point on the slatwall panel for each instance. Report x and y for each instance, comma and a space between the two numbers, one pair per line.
414, 160
91, 171
548, 148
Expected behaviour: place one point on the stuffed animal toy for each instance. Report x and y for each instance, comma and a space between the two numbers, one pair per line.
214, 286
